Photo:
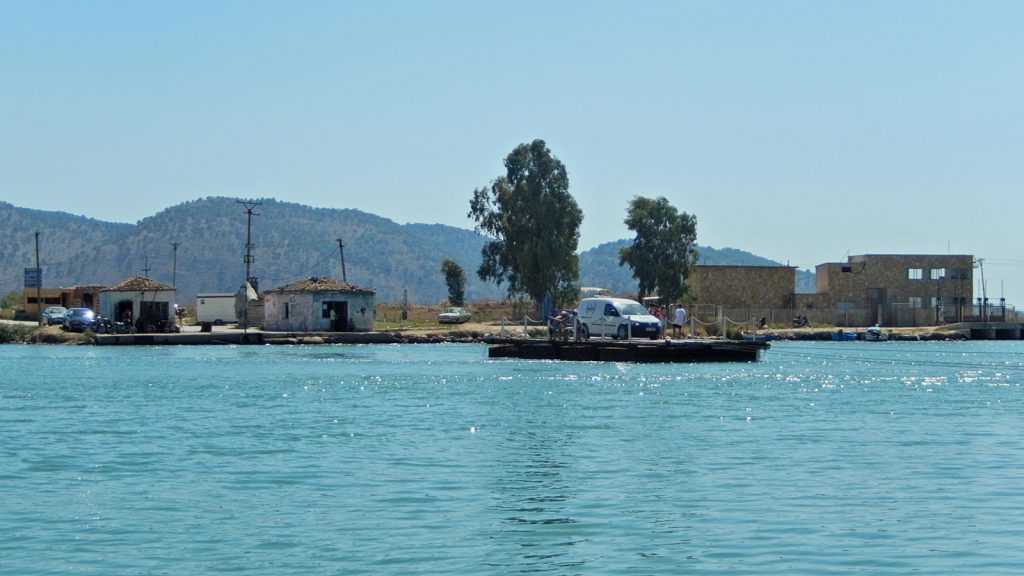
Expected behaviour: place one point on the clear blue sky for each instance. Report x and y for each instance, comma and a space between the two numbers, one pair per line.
800, 131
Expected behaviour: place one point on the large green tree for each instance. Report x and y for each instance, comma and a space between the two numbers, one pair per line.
534, 224
455, 278
664, 249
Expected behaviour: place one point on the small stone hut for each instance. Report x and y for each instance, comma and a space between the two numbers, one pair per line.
149, 304
319, 305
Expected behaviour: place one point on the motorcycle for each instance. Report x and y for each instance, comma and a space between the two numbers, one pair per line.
108, 326
563, 326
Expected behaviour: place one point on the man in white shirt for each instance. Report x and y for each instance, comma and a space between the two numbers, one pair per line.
677, 321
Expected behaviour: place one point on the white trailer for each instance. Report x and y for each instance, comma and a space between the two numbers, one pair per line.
215, 308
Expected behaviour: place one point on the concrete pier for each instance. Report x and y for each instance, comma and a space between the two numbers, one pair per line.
989, 330
235, 336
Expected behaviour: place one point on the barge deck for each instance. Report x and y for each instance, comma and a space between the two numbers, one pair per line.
627, 351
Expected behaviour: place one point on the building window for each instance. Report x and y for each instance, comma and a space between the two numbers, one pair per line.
938, 273
915, 301
286, 310
914, 274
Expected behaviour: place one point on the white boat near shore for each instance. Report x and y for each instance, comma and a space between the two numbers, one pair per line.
875, 334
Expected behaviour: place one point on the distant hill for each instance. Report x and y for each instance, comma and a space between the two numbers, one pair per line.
62, 237
291, 241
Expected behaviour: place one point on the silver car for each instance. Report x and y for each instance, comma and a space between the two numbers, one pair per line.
453, 315
54, 315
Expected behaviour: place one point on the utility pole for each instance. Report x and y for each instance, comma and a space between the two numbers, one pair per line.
146, 268
341, 248
174, 269
39, 284
250, 211
984, 292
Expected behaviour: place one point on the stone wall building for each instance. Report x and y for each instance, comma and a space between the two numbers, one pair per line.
319, 305
87, 296
744, 286
742, 293
886, 289
149, 304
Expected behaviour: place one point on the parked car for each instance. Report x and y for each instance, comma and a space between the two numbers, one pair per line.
453, 316
78, 319
54, 315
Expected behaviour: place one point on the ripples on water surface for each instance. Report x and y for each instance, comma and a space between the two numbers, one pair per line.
826, 458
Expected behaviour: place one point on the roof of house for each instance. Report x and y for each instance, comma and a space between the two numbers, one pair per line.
138, 284
314, 284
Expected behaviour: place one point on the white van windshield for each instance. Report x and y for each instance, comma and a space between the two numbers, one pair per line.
633, 309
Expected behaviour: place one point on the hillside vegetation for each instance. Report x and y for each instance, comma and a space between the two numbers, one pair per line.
291, 241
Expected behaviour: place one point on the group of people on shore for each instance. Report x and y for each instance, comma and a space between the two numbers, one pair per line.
677, 322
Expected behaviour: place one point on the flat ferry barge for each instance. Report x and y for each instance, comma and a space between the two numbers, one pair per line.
626, 351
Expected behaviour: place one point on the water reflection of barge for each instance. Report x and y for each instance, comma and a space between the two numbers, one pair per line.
628, 351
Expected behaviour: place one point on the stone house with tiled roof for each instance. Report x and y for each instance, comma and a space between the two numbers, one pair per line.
319, 305
149, 304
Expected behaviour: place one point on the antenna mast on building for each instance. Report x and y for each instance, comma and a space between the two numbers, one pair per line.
146, 268
341, 248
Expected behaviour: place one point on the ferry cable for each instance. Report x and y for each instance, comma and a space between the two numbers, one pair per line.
901, 361
788, 347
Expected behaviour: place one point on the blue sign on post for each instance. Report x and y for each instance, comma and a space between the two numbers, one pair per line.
33, 277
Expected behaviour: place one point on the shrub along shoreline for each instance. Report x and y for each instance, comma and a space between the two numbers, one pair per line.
20, 333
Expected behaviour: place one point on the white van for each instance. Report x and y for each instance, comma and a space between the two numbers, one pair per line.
619, 318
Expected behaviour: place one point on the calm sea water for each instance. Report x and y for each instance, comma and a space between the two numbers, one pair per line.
825, 458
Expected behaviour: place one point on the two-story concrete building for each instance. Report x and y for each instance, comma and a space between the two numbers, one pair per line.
895, 289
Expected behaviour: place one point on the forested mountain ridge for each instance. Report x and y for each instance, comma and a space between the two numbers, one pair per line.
61, 237
292, 241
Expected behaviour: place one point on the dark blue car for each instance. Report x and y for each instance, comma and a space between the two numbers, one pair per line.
79, 319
